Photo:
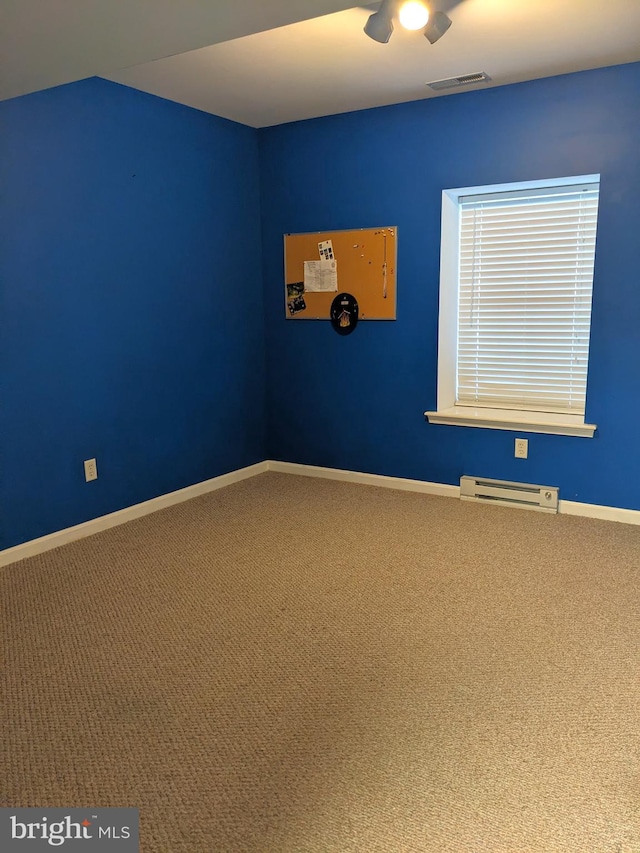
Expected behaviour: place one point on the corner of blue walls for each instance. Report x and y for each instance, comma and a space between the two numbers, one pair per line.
142, 291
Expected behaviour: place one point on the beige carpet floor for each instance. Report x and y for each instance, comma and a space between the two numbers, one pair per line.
305, 666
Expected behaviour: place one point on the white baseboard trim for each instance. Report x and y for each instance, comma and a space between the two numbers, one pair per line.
379, 480
104, 522
606, 513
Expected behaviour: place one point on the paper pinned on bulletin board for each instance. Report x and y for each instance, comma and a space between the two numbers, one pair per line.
321, 276
325, 249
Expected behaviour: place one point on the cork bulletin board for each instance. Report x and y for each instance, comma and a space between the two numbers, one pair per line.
365, 266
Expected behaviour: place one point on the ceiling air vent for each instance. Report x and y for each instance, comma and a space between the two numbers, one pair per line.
456, 82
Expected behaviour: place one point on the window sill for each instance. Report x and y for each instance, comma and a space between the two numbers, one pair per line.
545, 422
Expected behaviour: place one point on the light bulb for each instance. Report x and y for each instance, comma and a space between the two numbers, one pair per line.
413, 15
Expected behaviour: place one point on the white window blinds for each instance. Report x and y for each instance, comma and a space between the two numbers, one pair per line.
526, 275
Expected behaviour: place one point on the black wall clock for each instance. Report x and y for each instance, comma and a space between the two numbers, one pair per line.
344, 313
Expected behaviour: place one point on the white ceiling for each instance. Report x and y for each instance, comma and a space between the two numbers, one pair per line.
47, 42
266, 62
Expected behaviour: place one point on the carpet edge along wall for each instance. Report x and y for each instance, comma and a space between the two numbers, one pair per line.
132, 306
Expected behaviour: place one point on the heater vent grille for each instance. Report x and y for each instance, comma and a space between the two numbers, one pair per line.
524, 495
456, 82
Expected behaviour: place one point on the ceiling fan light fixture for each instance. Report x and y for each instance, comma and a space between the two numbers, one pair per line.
437, 26
413, 15
379, 26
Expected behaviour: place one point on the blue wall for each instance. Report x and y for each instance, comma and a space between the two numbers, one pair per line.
132, 327
357, 402
132, 302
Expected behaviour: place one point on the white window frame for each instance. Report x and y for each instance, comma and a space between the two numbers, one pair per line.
486, 418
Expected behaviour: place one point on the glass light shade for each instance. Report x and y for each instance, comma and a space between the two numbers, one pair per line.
413, 15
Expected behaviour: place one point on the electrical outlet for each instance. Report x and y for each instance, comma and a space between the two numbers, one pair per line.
90, 470
522, 448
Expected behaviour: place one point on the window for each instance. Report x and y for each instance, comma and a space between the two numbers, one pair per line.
515, 305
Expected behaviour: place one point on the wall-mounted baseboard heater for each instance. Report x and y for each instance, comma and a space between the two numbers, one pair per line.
524, 495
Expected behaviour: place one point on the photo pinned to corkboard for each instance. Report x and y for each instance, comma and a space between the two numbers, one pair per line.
295, 297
